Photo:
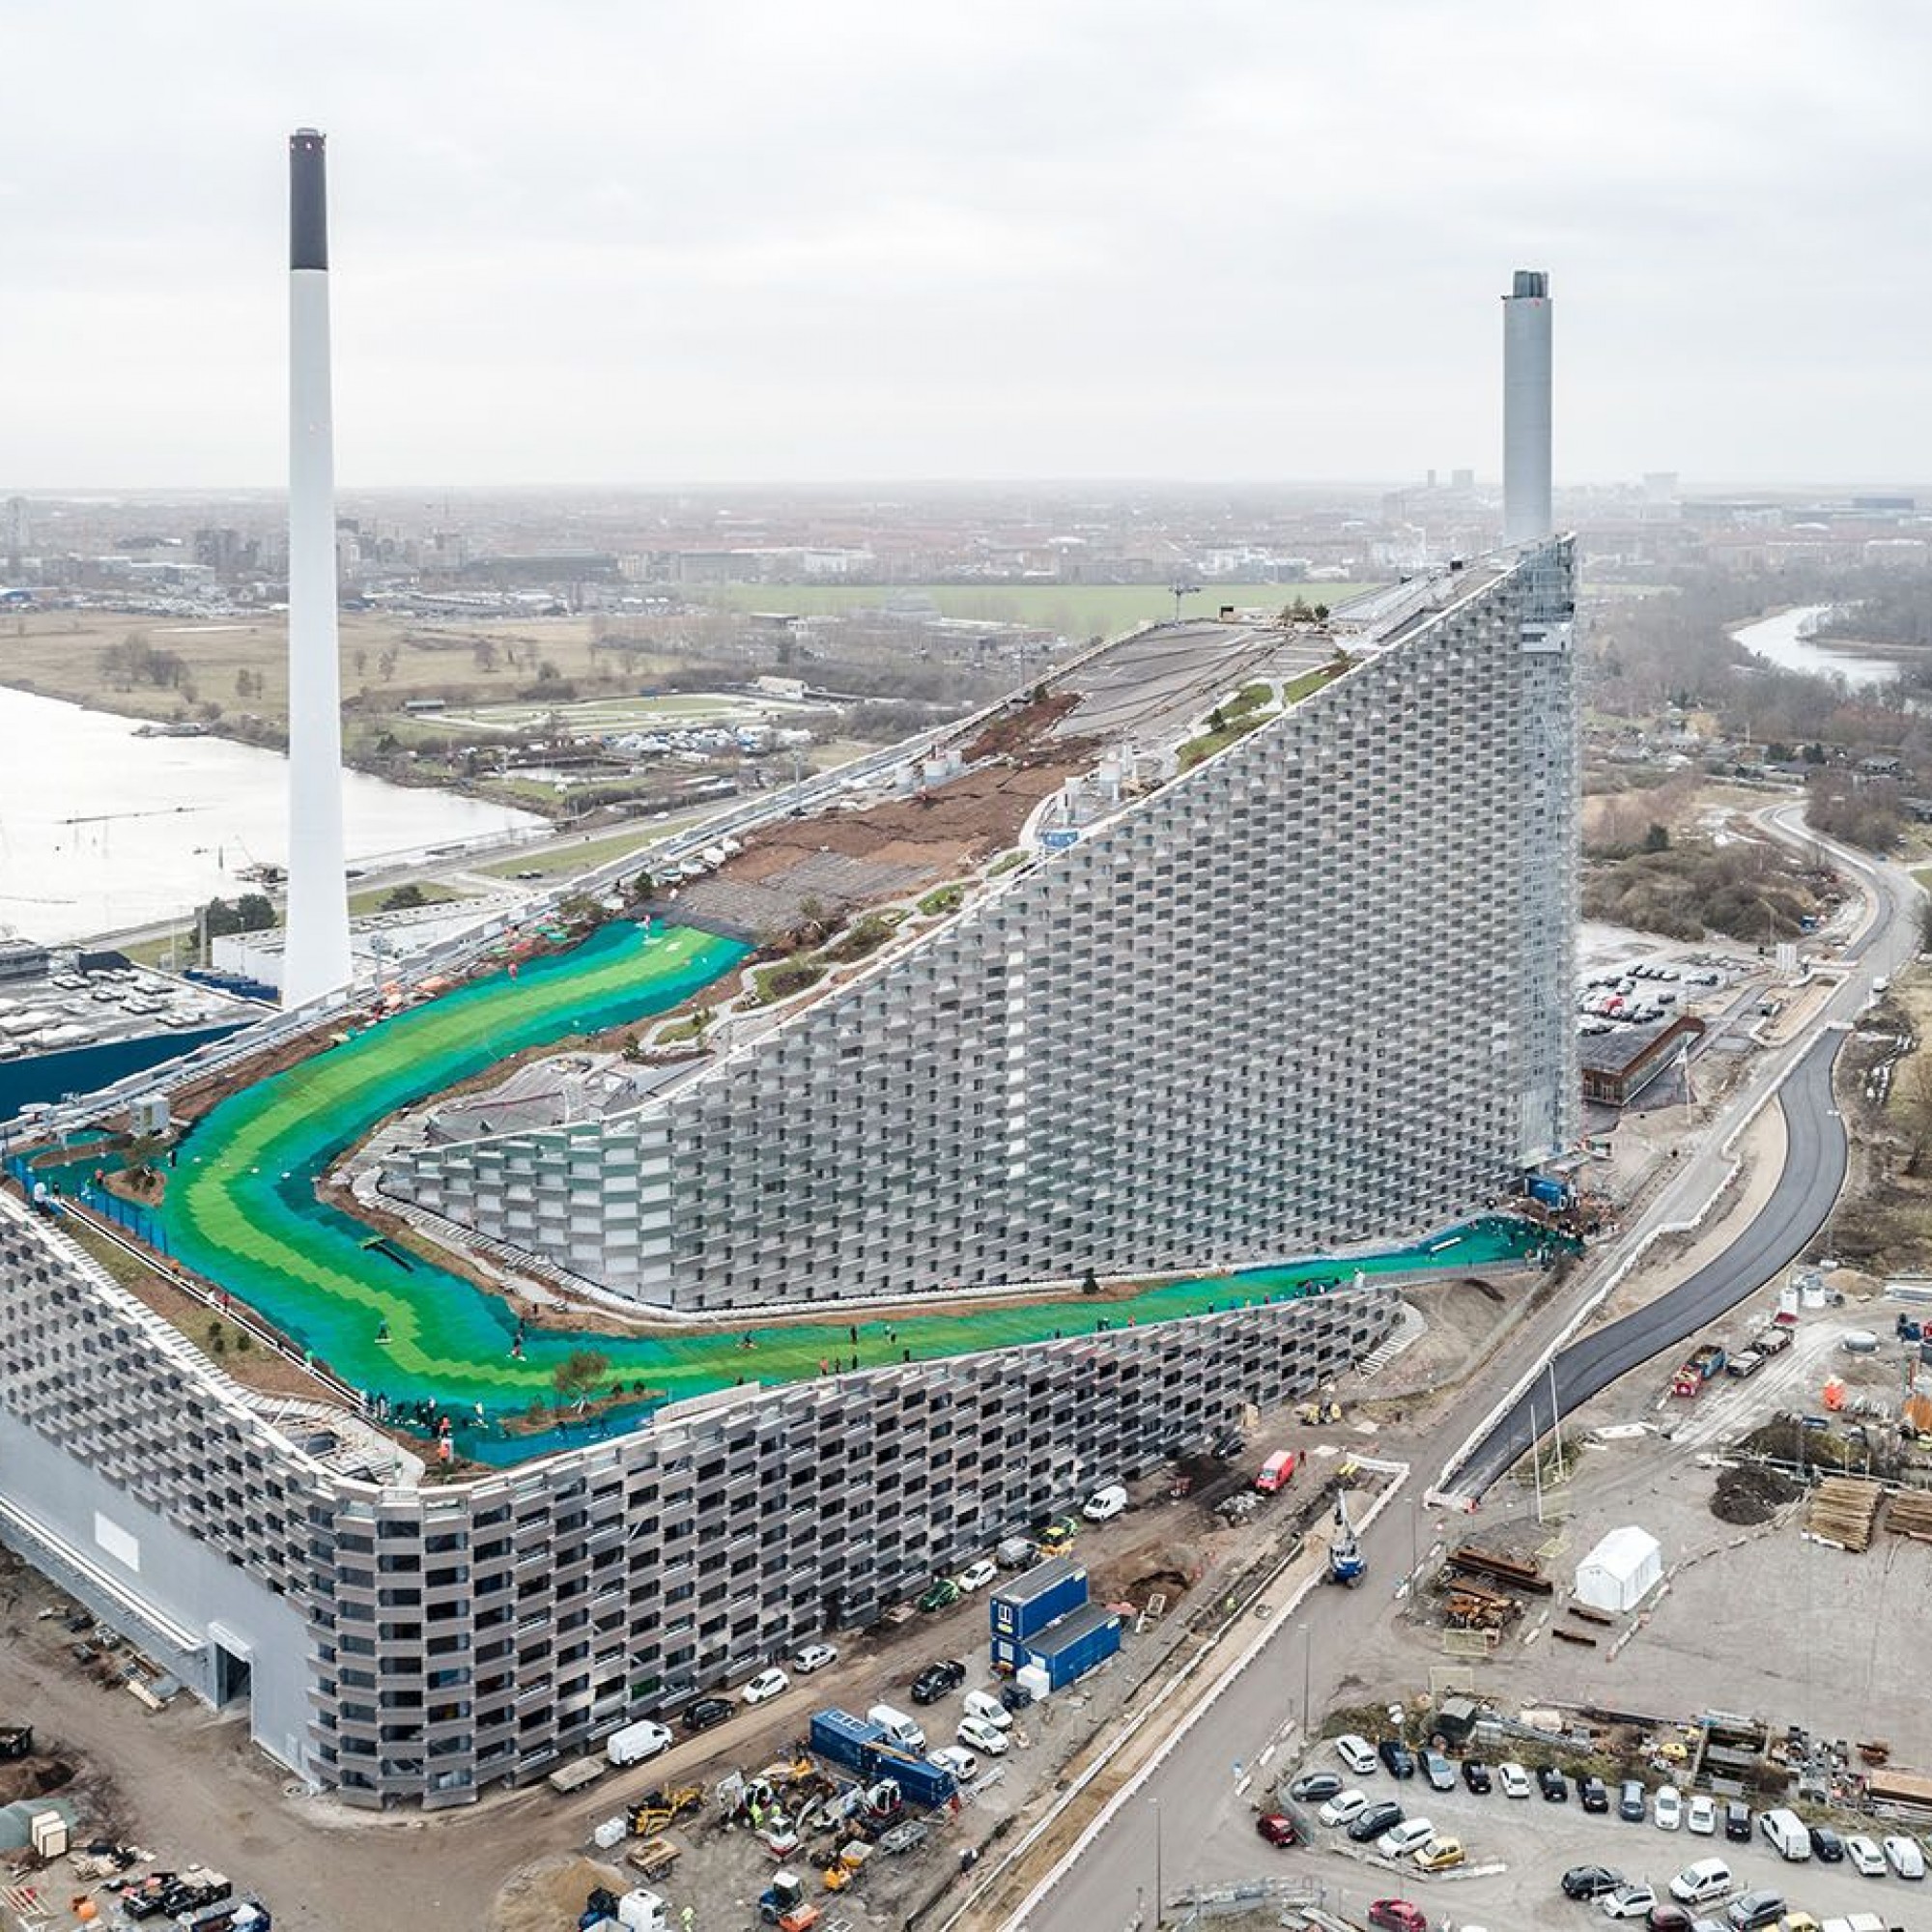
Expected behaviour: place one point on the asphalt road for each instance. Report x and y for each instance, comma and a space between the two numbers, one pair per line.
1191, 1822
1814, 1171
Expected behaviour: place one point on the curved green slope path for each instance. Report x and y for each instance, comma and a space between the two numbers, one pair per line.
243, 1213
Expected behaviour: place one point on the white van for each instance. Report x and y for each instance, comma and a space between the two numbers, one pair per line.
1104, 1504
1787, 1834
1859, 1921
988, 1709
1698, 1883
899, 1730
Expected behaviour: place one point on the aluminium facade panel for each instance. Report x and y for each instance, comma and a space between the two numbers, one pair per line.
468, 1632
1312, 993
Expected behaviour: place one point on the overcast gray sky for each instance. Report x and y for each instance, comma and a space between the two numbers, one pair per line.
749, 239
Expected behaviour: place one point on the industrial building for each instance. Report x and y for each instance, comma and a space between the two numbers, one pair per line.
401, 1640
1306, 992
1261, 945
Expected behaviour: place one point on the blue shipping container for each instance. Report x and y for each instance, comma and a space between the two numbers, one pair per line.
842, 1738
1029, 1603
918, 1778
1075, 1644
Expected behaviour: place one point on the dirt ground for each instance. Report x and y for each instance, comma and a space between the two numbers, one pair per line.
1737, 1625
188, 1787
551, 1894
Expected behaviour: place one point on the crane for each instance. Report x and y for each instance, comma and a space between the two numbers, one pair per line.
1346, 1561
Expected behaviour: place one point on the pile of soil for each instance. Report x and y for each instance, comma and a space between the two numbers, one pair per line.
33, 1777
550, 1893
1751, 1494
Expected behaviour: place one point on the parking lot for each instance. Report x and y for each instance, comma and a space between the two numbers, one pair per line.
1517, 1850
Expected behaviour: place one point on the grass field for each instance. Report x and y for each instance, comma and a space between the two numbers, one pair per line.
385, 660
241, 1213
1075, 611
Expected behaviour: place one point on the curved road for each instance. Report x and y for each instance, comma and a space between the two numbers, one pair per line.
1816, 1155
1190, 1817
1814, 1171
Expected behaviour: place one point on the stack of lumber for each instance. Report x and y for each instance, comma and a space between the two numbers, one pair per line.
1470, 1606
1910, 1514
1843, 1510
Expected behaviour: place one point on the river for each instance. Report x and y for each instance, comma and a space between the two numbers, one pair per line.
101, 829
1781, 640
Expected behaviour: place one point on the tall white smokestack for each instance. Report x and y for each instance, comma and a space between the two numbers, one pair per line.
316, 957
1526, 319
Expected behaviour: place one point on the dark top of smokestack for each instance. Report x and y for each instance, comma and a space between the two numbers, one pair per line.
1531, 282
308, 201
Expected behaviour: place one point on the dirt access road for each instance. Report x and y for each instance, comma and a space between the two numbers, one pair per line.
189, 1786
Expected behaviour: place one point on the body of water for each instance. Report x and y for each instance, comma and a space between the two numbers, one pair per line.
101, 829
1781, 640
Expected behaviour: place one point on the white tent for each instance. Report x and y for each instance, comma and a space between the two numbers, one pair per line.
1621, 1571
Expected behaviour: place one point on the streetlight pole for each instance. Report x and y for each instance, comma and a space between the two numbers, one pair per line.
1155, 1803
1307, 1668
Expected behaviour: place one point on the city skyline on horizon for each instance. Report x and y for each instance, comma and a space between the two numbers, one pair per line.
698, 251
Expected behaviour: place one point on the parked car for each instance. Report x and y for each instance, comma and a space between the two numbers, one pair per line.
976, 1575
1755, 1909
1667, 1812
814, 1656
937, 1679
976, 1734
1374, 1820
1664, 1917
1015, 1697
1550, 1782
1312, 1786
1440, 1854
1397, 1756
958, 1760
706, 1712
765, 1685
987, 1709
1405, 1839
1865, 1856
1737, 1820
1701, 1814
1398, 1914
940, 1595
1593, 1793
1827, 1847
1276, 1828
1628, 1901
1701, 1882
1904, 1857
1476, 1775
1439, 1772
1344, 1807
1104, 1504
1590, 1881
1357, 1753
1630, 1800
1513, 1779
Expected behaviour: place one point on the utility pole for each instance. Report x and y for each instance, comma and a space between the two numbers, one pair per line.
1535, 1464
1556, 1415
1307, 1672
1155, 1803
